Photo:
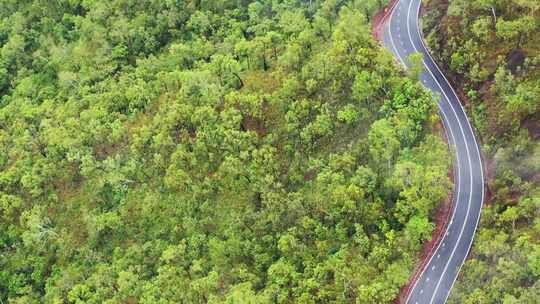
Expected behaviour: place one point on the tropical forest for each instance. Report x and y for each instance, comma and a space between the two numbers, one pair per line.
257, 151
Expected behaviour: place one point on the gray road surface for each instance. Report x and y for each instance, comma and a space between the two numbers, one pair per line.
402, 37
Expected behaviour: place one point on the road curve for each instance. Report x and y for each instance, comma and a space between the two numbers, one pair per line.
402, 36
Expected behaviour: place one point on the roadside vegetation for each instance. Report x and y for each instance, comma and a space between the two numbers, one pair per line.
492, 51
210, 152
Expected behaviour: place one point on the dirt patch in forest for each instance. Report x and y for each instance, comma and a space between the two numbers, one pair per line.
532, 124
515, 59
379, 20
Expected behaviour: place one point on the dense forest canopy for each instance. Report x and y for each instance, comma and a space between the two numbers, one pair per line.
492, 50
209, 152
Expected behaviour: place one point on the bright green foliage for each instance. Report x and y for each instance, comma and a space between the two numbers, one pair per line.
417, 64
209, 152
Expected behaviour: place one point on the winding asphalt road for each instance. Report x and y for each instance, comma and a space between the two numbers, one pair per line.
402, 36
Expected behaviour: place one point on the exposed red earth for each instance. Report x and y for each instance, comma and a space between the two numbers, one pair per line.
379, 20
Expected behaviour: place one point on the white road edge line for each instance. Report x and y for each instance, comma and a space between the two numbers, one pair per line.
456, 190
454, 143
392, 37
452, 254
475, 143
455, 113
457, 153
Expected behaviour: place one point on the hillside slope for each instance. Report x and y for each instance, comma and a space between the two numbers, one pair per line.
492, 51
209, 152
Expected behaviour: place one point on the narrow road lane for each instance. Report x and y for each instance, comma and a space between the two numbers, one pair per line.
402, 36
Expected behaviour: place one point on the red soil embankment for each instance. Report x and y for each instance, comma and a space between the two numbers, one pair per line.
379, 20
